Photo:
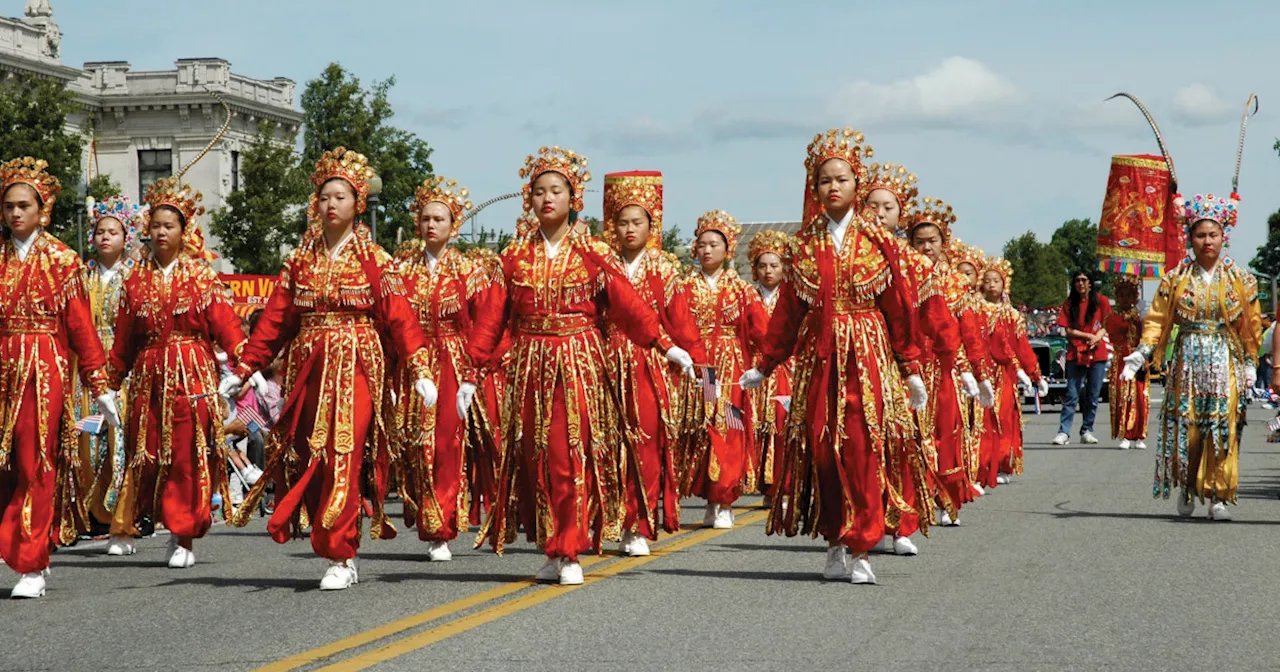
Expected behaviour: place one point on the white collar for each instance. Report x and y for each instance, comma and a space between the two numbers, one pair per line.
714, 279
766, 293
551, 248
168, 270
432, 260
634, 266
838, 229
109, 272
23, 247
337, 249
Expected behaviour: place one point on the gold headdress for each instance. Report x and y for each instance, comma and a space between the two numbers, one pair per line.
343, 164
1003, 267
642, 188
172, 192
963, 253
894, 179
443, 190
566, 162
767, 242
931, 211
35, 174
846, 144
722, 223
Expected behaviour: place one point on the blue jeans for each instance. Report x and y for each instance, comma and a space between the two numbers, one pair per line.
1077, 377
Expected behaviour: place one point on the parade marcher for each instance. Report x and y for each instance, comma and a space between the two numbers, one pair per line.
772, 401
113, 240
561, 428
484, 446
1130, 400
968, 261
459, 305
45, 318
1016, 367
1083, 316
653, 395
732, 320
846, 296
338, 291
953, 359
172, 310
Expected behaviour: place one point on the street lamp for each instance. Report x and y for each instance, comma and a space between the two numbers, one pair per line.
375, 190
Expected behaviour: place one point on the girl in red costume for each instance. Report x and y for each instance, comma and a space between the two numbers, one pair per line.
1015, 365
651, 392
1130, 400
560, 474
45, 318
849, 319
173, 309
459, 306
766, 253
337, 292
732, 320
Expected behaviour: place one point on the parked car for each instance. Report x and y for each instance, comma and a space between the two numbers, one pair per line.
1051, 354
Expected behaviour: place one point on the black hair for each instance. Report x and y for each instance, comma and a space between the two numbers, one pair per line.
254, 317
722, 237
5, 230
182, 219
1073, 300
911, 232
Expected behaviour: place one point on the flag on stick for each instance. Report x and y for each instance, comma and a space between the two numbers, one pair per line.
707, 377
734, 419
90, 424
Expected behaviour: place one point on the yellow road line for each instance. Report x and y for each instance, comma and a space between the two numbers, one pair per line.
472, 621
369, 636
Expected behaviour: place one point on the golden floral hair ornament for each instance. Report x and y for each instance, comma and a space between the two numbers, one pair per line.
641, 188
931, 211
963, 253
447, 192
845, 144
121, 209
765, 242
1003, 267
35, 174
173, 193
568, 163
341, 164
1126, 279
723, 223
894, 179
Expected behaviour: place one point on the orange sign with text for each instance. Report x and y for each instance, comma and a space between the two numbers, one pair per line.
250, 292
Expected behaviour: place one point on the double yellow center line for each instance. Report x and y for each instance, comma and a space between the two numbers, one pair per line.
674, 542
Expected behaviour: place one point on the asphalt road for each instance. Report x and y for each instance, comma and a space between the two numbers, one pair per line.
1072, 567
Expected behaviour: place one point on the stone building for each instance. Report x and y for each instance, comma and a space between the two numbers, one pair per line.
145, 125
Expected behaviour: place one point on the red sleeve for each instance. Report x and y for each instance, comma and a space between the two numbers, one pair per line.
277, 325
124, 348
1104, 309
485, 333
400, 321
783, 329
904, 328
678, 320
223, 326
633, 316
77, 323
1022, 350
1062, 315
940, 325
757, 320
975, 349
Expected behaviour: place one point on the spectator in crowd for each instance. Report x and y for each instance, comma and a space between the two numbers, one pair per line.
1264, 360
1082, 317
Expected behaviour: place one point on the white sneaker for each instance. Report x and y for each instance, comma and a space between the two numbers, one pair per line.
550, 571
439, 551
182, 559
340, 575
945, 520
1088, 437
837, 564
1186, 508
29, 586
121, 545
979, 489
1002, 479
724, 519
1124, 444
1140, 445
709, 516
570, 573
1061, 439
904, 546
1218, 511
639, 547
861, 571
251, 475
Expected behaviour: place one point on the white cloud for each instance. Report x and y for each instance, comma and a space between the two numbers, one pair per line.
1198, 105
958, 92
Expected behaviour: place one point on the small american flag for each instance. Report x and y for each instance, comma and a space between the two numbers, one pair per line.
734, 419
1274, 424
707, 378
90, 424
784, 400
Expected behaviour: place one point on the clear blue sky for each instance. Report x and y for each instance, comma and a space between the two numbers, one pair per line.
994, 103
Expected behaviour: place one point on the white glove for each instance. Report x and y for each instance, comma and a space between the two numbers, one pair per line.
1044, 387
466, 393
919, 395
1023, 379
682, 359
970, 384
427, 390
230, 386
751, 379
258, 383
395, 399
1250, 376
107, 404
1132, 365
986, 394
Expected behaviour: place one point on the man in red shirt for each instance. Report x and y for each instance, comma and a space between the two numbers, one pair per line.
1082, 316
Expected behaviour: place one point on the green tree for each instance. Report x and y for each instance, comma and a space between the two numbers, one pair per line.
1268, 258
102, 187
339, 112
264, 214
494, 240
1039, 272
1077, 241
33, 117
